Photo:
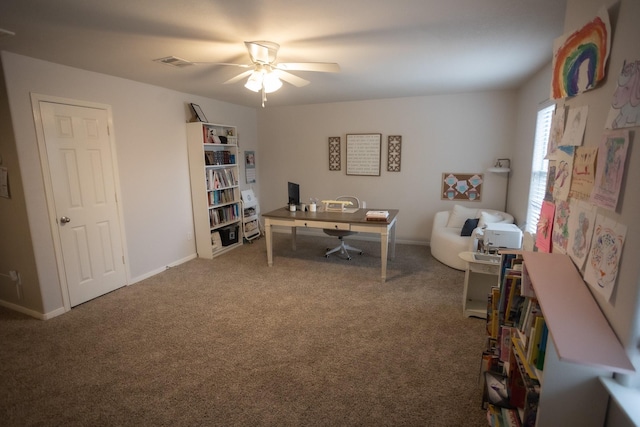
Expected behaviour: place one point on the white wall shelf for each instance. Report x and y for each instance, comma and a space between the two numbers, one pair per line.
579, 329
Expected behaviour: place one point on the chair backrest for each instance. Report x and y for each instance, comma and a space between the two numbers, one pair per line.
352, 199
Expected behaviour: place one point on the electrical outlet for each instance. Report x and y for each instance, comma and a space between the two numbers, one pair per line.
13, 275
189, 236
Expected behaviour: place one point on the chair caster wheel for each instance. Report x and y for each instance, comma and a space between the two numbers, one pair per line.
349, 259
361, 253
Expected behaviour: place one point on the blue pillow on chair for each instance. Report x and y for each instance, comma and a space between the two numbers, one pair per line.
469, 226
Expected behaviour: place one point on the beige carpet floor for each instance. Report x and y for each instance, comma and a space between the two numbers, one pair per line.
310, 341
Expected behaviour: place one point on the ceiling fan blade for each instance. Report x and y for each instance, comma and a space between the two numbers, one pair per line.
262, 51
238, 77
226, 63
290, 78
326, 67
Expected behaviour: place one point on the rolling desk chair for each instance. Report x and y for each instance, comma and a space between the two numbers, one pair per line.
341, 234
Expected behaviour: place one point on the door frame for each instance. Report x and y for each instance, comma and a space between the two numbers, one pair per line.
36, 99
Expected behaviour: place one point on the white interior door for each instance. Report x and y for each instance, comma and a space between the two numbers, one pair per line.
84, 193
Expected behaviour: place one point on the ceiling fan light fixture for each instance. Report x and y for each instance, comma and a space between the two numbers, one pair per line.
271, 82
263, 80
254, 83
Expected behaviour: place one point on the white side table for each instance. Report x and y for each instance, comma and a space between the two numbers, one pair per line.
481, 274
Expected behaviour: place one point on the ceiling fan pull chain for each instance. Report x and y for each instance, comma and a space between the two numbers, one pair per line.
264, 96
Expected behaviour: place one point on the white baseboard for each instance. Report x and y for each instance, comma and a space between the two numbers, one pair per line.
61, 310
32, 313
160, 270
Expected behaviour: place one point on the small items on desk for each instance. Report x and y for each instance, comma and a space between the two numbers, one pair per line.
377, 215
336, 205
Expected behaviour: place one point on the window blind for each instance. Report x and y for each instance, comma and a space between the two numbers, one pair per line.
539, 167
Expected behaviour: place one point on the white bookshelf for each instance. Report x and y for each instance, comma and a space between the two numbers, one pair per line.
582, 347
215, 193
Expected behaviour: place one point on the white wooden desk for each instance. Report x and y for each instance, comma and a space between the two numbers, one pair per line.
337, 220
479, 277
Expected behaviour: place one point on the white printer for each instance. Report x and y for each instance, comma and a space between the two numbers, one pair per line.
500, 235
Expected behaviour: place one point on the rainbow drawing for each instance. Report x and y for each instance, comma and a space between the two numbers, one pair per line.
579, 56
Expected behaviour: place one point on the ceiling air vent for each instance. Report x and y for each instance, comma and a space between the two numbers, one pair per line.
174, 61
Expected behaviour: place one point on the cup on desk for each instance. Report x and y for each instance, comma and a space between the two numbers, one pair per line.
312, 207
303, 207
292, 208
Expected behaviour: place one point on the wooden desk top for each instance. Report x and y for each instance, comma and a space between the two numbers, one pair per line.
356, 217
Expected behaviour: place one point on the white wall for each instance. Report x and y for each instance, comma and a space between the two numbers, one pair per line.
16, 250
533, 96
150, 139
461, 133
623, 309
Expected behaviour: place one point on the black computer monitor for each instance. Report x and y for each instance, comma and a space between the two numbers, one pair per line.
294, 193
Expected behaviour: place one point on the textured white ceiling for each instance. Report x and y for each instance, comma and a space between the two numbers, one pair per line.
384, 48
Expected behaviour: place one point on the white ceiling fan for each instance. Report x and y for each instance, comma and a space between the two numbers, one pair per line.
265, 72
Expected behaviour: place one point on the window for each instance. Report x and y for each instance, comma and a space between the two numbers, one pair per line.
539, 167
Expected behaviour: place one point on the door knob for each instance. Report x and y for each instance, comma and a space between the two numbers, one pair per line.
64, 220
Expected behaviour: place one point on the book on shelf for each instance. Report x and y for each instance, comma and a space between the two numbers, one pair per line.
510, 417
503, 417
494, 416
224, 214
217, 179
493, 323
217, 197
533, 349
529, 322
495, 389
518, 350
522, 386
514, 300
543, 348
505, 342
527, 286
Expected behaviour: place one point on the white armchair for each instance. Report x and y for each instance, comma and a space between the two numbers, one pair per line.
446, 242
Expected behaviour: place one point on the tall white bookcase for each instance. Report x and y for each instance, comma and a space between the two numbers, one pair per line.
215, 192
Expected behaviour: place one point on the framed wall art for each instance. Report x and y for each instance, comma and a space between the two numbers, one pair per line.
250, 166
363, 154
462, 186
335, 162
394, 153
199, 114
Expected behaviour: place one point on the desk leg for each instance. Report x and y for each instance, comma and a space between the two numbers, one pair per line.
293, 238
384, 246
393, 240
269, 240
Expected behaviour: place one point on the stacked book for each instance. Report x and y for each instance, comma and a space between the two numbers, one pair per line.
377, 215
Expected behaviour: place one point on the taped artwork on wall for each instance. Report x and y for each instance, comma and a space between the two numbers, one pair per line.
462, 186
580, 58
394, 153
334, 153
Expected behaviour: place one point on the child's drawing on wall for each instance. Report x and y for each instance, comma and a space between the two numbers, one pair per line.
612, 153
581, 221
564, 168
625, 105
